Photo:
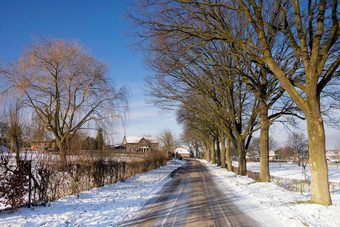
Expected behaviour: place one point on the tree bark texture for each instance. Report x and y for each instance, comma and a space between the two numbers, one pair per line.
218, 153
223, 152
213, 154
317, 156
207, 153
242, 169
264, 147
229, 162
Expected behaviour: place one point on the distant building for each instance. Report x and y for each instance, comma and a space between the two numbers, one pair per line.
255, 155
139, 143
272, 155
43, 145
182, 151
333, 156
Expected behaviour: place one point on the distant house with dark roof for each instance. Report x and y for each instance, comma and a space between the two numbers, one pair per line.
140, 143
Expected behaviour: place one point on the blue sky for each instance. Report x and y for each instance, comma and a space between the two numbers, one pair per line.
98, 25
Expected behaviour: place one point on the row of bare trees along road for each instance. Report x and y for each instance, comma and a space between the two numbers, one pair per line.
230, 68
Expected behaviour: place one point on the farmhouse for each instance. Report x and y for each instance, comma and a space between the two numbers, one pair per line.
182, 151
140, 143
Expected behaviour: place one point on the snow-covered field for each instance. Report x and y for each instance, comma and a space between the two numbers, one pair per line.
292, 170
271, 205
105, 206
267, 203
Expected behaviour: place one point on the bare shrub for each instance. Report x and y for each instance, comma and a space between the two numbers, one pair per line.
52, 179
13, 183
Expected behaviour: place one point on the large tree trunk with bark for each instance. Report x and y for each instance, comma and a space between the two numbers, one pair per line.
218, 153
264, 147
242, 168
207, 153
229, 162
223, 151
213, 154
62, 152
317, 156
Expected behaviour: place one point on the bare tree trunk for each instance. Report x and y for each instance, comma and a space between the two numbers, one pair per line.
213, 154
264, 148
17, 152
62, 153
207, 153
318, 165
223, 151
218, 152
242, 169
229, 162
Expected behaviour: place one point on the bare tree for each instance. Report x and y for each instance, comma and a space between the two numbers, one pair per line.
14, 129
311, 30
168, 140
255, 144
65, 86
210, 66
189, 138
299, 143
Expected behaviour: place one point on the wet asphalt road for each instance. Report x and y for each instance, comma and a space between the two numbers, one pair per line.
191, 198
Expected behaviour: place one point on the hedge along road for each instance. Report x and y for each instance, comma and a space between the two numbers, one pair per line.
191, 198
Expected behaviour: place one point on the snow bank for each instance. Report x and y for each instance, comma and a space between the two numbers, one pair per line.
271, 205
105, 206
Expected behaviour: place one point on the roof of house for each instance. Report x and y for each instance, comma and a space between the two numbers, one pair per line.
136, 139
181, 150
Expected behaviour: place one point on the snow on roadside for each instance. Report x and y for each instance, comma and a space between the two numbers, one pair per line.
105, 206
292, 170
271, 205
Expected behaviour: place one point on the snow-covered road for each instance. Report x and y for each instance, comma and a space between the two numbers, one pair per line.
112, 205
191, 198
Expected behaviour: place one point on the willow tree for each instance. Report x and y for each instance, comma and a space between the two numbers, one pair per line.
64, 85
